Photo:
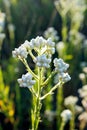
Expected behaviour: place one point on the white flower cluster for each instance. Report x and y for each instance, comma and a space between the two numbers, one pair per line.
83, 91
70, 100
51, 32
26, 81
43, 61
64, 77
45, 49
66, 115
39, 44
61, 67
20, 52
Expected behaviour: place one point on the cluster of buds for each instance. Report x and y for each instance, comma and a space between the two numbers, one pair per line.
44, 49
61, 68
26, 81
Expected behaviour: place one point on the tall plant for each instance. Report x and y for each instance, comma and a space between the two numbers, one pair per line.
37, 82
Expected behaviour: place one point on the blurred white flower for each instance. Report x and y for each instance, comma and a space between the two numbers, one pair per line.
60, 65
43, 61
51, 32
82, 76
83, 117
60, 46
26, 81
66, 115
50, 115
70, 100
11, 27
83, 91
85, 69
7, 3
84, 103
78, 109
2, 36
2, 21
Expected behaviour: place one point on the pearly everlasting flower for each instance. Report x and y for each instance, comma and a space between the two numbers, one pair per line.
83, 91
66, 115
64, 77
70, 100
84, 103
78, 109
60, 65
37, 42
43, 61
27, 45
82, 76
51, 32
26, 81
20, 52
83, 117
50, 46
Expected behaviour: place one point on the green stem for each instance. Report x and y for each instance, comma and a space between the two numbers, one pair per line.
59, 104
82, 125
62, 125
64, 29
31, 54
72, 121
37, 103
51, 91
28, 68
48, 79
